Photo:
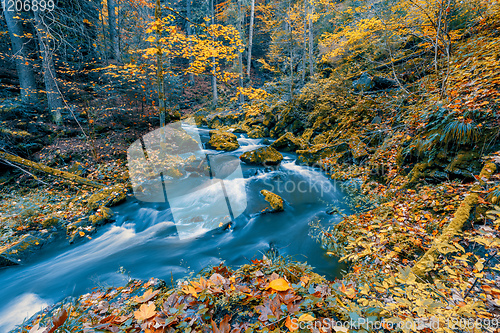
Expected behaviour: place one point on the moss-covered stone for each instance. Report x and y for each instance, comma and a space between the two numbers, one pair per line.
266, 156
223, 141
315, 153
51, 222
201, 120
269, 119
274, 200
465, 164
258, 132
102, 215
108, 197
288, 142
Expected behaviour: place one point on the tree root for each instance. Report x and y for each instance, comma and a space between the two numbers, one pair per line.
455, 226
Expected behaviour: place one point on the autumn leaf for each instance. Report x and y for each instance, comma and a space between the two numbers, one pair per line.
146, 311
279, 285
58, 320
189, 290
290, 325
306, 317
224, 326
148, 295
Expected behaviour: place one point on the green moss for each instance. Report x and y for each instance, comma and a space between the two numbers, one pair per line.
266, 156
315, 153
289, 142
108, 196
102, 215
257, 132
223, 141
274, 200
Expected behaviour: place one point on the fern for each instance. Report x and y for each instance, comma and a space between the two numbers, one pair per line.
460, 131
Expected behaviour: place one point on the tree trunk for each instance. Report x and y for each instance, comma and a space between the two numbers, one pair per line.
311, 39
214, 68
241, 98
24, 70
291, 58
54, 98
54, 172
113, 33
250, 38
159, 71
189, 33
304, 49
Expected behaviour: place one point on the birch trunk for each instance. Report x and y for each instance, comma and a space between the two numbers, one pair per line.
250, 38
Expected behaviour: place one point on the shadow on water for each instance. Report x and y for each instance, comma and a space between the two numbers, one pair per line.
143, 241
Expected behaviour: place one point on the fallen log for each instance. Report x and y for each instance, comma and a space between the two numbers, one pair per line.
391, 63
51, 171
455, 226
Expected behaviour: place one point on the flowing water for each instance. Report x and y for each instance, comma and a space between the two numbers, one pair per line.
143, 241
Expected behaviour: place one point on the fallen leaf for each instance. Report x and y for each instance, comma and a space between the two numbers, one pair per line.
279, 285
290, 325
148, 295
306, 317
146, 311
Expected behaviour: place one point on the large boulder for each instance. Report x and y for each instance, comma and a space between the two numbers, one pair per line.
223, 141
368, 83
266, 156
288, 142
274, 200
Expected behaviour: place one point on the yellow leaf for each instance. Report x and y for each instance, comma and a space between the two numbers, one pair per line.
81, 233
190, 291
306, 317
279, 285
146, 311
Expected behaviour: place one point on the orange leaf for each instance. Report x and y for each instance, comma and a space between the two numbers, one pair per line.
290, 325
279, 285
146, 311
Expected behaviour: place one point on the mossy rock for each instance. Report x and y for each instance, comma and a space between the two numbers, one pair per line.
465, 165
258, 132
266, 156
315, 153
289, 142
223, 141
269, 119
102, 215
307, 135
27, 245
109, 196
274, 200
240, 130
201, 121
51, 222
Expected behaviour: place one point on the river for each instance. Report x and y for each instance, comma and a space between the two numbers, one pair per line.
142, 242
